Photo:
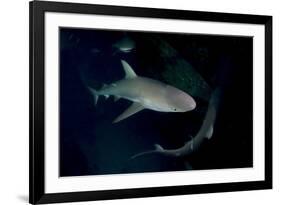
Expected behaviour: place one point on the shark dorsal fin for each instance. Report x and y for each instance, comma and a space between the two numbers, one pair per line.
130, 73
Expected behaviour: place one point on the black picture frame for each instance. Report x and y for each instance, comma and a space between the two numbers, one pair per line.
37, 194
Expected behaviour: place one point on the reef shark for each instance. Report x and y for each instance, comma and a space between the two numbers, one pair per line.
145, 93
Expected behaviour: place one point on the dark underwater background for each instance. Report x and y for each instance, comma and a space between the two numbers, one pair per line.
90, 144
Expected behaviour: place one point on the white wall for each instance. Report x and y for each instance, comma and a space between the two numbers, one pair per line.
14, 100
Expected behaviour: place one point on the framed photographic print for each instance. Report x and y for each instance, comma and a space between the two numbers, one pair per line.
140, 102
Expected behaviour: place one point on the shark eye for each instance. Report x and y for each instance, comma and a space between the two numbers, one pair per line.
175, 109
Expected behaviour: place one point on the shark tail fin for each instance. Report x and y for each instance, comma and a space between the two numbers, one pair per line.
158, 147
95, 95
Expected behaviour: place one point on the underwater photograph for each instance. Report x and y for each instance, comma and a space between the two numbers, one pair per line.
142, 101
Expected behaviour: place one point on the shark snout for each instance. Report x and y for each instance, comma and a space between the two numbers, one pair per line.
191, 103
180, 100
188, 104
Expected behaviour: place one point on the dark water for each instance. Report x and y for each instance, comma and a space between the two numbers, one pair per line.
90, 144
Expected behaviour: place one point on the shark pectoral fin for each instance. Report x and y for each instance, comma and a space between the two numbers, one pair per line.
130, 73
134, 108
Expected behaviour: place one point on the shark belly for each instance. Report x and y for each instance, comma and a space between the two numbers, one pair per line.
154, 105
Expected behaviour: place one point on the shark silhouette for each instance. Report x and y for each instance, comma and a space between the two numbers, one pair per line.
124, 45
145, 93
